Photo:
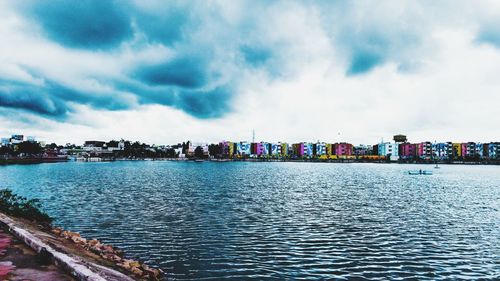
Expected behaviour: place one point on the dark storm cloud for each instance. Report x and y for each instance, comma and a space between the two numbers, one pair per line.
184, 81
369, 38
189, 72
89, 24
200, 103
205, 104
204, 51
372, 48
55, 100
32, 99
163, 24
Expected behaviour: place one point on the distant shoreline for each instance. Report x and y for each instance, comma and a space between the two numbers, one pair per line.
11, 161
346, 161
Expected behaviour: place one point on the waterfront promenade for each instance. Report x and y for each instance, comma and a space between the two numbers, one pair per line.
18, 262
31, 252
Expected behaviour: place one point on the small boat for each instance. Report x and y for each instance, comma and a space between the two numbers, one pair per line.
199, 160
420, 172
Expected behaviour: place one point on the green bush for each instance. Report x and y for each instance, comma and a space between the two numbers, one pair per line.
19, 206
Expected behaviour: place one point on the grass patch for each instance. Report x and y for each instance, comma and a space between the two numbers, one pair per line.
22, 207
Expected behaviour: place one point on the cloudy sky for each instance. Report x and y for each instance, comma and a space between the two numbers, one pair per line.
167, 71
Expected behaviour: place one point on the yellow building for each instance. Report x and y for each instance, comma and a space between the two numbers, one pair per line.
284, 149
329, 149
230, 149
457, 150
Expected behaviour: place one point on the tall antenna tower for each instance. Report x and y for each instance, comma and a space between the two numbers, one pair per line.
253, 135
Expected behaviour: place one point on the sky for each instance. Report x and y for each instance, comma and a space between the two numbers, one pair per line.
167, 71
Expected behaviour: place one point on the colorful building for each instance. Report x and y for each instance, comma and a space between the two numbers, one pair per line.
362, 149
342, 149
389, 149
226, 149
469, 150
298, 149
407, 150
243, 148
424, 150
457, 150
275, 149
494, 150
285, 149
308, 149
320, 149
480, 151
463, 148
260, 149
442, 151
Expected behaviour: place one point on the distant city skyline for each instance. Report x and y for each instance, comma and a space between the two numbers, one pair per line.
164, 73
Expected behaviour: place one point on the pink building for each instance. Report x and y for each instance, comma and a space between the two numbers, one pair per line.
258, 148
408, 150
463, 147
470, 149
342, 149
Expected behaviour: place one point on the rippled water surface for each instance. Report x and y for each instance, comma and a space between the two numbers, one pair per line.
276, 221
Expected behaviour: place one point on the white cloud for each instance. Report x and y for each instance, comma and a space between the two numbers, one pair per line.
443, 86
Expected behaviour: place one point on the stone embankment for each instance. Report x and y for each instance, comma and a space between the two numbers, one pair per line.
111, 254
86, 260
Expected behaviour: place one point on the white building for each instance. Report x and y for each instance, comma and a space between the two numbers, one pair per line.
120, 146
275, 149
389, 149
193, 145
15, 139
321, 148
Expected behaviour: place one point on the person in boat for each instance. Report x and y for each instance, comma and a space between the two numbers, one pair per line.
420, 171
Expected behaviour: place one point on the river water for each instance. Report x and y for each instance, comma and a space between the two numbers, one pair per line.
279, 221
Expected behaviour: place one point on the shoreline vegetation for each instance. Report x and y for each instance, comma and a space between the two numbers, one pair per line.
28, 213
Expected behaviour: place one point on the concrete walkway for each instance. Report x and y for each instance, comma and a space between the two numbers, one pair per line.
80, 264
18, 262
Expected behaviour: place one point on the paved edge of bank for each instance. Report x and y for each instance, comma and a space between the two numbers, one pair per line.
77, 267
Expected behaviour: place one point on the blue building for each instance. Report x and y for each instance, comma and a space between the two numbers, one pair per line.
243, 148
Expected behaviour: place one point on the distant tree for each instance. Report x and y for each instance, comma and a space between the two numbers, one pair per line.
6, 150
214, 150
198, 152
185, 147
112, 143
30, 148
170, 153
126, 144
51, 146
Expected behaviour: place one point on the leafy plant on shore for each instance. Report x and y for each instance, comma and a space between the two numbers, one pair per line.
19, 206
